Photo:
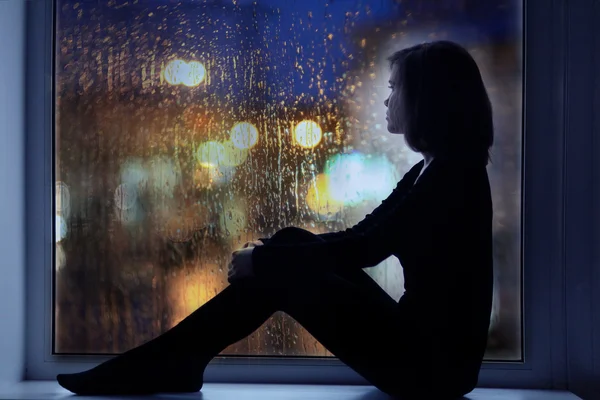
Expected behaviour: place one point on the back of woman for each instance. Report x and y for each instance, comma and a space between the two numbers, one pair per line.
440, 104
448, 274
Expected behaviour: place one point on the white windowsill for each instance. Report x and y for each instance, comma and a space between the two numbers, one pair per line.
44, 390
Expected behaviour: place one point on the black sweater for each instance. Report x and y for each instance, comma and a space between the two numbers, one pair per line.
440, 228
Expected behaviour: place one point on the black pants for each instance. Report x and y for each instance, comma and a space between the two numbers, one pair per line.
346, 311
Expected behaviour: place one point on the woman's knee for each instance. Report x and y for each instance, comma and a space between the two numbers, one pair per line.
292, 234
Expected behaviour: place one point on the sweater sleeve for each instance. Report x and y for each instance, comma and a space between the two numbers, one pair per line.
367, 244
379, 213
382, 211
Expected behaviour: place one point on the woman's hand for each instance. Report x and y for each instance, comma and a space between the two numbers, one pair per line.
240, 266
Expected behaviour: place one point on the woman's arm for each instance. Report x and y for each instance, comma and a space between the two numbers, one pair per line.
372, 242
382, 211
379, 213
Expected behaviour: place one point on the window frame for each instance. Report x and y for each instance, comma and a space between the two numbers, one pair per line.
543, 211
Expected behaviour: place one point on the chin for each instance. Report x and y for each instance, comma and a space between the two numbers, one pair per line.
393, 130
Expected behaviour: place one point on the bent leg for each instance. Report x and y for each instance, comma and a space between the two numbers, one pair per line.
356, 323
346, 311
357, 276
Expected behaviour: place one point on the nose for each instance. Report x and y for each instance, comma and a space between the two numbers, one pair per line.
386, 102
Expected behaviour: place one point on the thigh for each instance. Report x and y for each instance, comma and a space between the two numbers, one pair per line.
357, 276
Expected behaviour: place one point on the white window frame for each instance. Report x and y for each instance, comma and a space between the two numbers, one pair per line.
544, 174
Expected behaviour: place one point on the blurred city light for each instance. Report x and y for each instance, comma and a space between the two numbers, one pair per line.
308, 134
133, 173
233, 155
319, 199
210, 154
125, 196
178, 72
244, 135
355, 178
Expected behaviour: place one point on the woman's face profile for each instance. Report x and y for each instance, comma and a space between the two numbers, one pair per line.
395, 114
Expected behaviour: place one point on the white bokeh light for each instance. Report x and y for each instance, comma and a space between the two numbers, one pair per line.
244, 135
308, 134
125, 196
355, 177
178, 72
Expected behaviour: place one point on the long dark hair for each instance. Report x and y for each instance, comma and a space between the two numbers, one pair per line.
447, 111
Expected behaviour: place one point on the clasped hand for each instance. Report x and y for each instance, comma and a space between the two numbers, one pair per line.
240, 266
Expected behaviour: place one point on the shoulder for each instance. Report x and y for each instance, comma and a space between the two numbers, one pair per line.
407, 181
453, 181
454, 171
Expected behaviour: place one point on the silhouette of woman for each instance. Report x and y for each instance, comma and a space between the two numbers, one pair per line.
437, 221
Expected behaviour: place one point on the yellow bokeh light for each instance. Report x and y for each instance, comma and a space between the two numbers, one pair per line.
308, 134
216, 154
319, 199
205, 176
178, 72
244, 135
189, 290
233, 155
210, 154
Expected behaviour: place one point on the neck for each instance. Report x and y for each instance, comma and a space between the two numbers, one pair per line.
428, 158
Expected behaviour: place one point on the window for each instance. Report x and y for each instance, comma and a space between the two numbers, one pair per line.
178, 131
185, 129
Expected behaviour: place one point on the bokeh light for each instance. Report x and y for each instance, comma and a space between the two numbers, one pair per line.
308, 134
210, 154
205, 177
178, 72
355, 178
186, 130
125, 196
319, 199
196, 73
133, 173
193, 289
244, 135
233, 155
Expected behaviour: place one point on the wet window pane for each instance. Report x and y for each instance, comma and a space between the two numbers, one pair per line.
185, 129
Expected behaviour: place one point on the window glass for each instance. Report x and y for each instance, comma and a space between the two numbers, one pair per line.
184, 129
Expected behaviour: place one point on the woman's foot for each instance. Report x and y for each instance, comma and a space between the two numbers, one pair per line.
150, 368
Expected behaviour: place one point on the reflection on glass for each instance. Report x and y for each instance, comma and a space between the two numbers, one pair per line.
185, 129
